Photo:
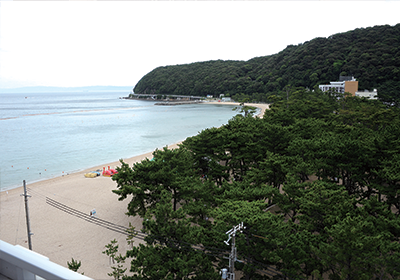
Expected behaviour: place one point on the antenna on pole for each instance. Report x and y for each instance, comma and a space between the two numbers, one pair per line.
27, 217
230, 275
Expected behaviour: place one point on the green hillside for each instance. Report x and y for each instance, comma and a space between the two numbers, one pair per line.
371, 55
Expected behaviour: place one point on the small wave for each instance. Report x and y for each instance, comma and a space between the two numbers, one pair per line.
69, 112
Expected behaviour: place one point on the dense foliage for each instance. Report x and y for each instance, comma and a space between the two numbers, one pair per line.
372, 55
316, 182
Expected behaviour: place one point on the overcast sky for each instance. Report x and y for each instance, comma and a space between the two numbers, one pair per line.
88, 43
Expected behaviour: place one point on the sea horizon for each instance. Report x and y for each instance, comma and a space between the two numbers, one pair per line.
57, 89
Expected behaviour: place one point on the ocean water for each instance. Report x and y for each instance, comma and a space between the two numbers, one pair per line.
45, 135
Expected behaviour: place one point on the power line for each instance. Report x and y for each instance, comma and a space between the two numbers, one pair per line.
86, 217
210, 251
116, 227
91, 219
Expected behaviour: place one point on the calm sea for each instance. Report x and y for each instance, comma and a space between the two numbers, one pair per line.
44, 135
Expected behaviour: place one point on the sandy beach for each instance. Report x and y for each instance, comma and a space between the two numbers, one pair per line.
61, 236
262, 106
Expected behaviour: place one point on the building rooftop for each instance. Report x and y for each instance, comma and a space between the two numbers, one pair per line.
346, 78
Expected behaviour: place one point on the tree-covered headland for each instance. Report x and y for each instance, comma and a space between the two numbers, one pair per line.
316, 183
371, 55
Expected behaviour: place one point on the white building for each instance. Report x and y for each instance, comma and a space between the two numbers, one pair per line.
345, 84
368, 94
337, 86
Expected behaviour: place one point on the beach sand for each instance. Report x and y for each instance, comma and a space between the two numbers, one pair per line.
262, 106
61, 236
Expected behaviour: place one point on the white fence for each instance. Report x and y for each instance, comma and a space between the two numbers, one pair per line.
17, 262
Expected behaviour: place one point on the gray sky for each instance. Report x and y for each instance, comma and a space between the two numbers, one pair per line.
87, 43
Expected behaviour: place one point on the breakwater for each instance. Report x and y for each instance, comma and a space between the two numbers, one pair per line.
169, 103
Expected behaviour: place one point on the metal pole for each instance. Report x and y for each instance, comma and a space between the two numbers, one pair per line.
233, 258
233, 254
27, 217
231, 264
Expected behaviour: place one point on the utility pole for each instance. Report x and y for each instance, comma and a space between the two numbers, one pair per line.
230, 275
27, 217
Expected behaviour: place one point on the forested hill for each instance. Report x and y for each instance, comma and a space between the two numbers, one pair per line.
371, 55
315, 182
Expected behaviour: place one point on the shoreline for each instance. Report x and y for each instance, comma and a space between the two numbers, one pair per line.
92, 168
61, 236
262, 107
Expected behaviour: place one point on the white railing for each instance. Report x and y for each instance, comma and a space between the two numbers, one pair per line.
17, 262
